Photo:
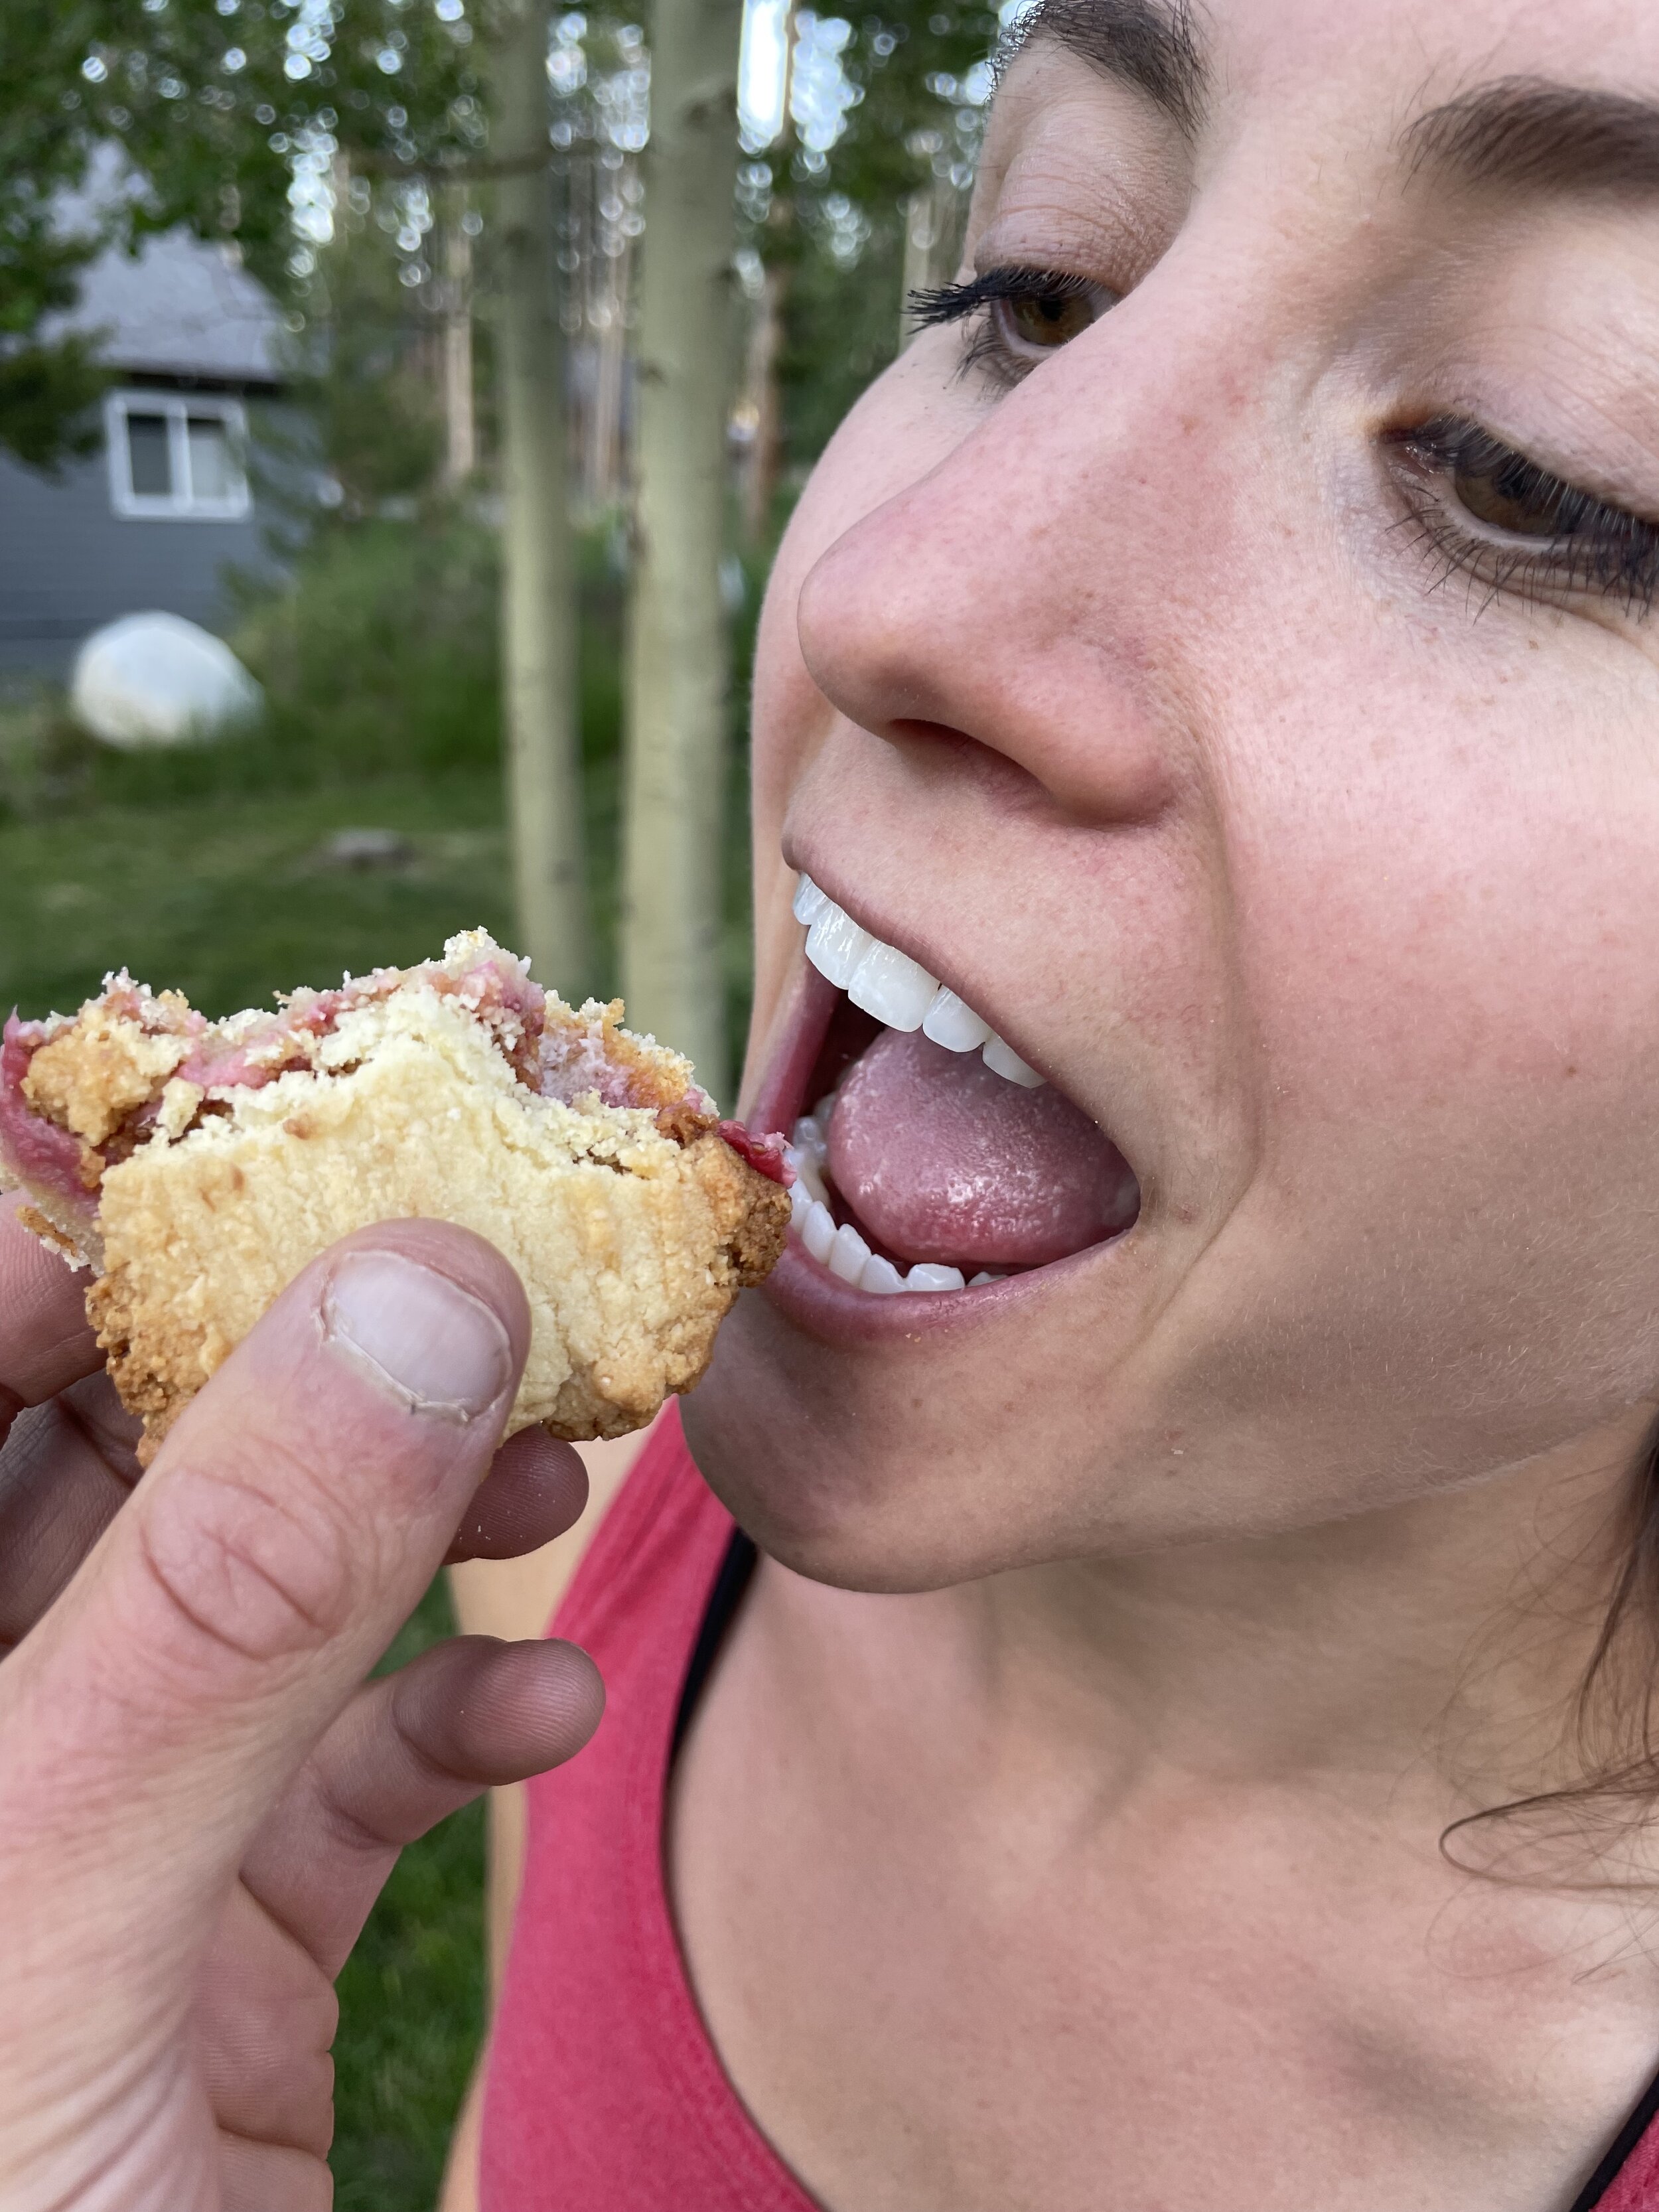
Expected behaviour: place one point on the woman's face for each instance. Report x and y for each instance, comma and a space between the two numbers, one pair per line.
1178, 659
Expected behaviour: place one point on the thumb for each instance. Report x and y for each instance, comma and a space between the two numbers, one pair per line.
291, 1520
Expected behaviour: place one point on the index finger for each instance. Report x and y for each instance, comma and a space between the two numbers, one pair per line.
46, 1340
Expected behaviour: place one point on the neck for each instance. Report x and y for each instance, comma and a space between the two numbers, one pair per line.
1420, 1662
1444, 1639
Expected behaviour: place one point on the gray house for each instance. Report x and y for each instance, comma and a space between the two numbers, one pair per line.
154, 519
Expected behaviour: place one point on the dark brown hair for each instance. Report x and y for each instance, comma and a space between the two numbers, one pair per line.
1611, 1728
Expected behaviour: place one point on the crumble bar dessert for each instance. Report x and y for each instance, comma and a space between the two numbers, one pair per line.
197, 1166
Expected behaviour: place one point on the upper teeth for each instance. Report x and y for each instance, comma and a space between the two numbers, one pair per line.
897, 989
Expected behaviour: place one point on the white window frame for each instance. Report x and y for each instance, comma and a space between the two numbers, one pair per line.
178, 506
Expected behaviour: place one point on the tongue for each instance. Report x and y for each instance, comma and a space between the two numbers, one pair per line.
943, 1159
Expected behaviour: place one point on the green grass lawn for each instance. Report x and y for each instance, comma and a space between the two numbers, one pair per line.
411, 2002
226, 896
229, 899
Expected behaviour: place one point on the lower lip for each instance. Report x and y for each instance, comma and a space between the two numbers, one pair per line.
809, 1294
806, 1292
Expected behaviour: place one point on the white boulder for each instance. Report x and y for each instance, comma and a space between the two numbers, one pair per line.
156, 679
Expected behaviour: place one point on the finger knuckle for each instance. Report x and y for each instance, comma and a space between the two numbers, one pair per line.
256, 1573
427, 1705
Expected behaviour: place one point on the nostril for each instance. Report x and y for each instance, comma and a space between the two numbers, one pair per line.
1000, 780
912, 725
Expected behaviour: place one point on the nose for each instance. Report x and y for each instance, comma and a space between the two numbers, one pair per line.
1003, 598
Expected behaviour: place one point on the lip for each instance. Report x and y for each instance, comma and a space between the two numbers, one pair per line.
781, 1098
809, 1295
805, 1289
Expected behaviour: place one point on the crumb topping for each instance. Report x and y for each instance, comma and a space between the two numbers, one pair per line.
79, 1094
588, 1052
89, 1080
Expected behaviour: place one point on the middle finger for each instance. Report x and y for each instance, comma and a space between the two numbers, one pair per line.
536, 1488
67, 1467
465, 1717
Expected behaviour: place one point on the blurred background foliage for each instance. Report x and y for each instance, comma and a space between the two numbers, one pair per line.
212, 865
295, 131
372, 411
341, 149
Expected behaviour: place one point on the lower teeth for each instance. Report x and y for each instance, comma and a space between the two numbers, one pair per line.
842, 1250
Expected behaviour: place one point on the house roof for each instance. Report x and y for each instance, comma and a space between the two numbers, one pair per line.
178, 307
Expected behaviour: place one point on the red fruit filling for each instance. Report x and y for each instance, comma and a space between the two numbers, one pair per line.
763, 1154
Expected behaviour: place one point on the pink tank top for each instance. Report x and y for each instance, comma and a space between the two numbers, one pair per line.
604, 2092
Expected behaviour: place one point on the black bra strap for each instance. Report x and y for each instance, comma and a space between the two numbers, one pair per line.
1623, 2144
730, 1583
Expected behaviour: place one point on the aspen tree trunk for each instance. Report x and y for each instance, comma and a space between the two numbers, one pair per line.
538, 622
933, 218
760, 469
609, 370
676, 766
461, 424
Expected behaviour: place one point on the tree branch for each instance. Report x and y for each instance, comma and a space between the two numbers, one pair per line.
365, 163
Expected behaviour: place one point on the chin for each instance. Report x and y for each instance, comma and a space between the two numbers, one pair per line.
839, 1466
912, 1465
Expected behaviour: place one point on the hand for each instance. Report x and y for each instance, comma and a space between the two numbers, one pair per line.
200, 1795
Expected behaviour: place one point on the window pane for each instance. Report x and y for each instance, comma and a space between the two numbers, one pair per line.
150, 470
209, 457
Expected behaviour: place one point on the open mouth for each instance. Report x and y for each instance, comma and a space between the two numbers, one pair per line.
928, 1156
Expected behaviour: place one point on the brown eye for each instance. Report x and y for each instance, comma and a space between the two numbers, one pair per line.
1511, 494
1548, 538
1015, 315
1048, 319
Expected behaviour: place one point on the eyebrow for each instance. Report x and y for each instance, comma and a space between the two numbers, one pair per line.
1530, 133
1148, 44
1538, 136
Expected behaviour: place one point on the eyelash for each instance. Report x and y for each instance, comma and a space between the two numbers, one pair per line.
984, 347
1597, 547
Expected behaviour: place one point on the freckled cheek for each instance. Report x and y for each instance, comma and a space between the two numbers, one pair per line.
1468, 943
